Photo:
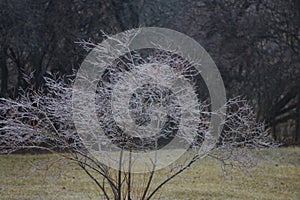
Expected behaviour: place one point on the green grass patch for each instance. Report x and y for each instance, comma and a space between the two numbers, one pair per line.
47, 176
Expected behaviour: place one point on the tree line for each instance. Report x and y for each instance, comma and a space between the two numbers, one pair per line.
255, 44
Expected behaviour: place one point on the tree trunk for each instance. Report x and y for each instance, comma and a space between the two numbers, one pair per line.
274, 130
4, 74
297, 132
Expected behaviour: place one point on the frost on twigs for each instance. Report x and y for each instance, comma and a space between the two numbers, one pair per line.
143, 101
38, 119
242, 137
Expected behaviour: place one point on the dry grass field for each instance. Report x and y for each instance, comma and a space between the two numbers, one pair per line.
22, 178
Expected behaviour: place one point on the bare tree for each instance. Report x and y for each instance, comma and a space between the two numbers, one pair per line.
145, 118
256, 46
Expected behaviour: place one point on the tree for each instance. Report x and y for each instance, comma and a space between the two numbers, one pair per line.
256, 46
36, 37
43, 120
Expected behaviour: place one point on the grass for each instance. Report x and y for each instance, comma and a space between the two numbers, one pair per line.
46, 177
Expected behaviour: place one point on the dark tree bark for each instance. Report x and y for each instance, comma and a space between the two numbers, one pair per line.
297, 133
4, 73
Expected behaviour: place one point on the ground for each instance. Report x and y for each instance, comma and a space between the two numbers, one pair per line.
279, 178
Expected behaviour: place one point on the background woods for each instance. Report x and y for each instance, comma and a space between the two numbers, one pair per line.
255, 45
